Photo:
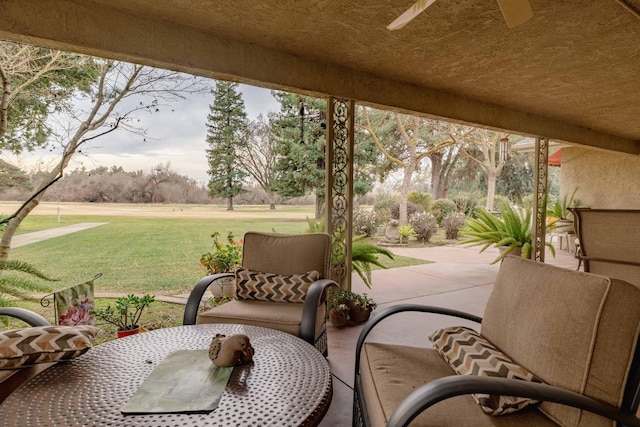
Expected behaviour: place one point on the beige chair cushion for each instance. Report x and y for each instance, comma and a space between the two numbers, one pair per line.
574, 330
263, 252
389, 373
285, 317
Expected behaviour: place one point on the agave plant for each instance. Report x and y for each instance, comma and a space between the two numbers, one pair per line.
511, 231
364, 256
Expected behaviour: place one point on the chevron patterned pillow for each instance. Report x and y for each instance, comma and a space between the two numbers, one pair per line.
252, 285
43, 344
468, 353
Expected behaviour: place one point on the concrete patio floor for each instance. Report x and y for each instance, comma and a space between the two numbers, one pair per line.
458, 278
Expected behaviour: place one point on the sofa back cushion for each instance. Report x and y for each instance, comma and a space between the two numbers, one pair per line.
574, 330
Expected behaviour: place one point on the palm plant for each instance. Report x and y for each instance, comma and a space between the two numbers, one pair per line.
560, 209
511, 231
17, 286
364, 256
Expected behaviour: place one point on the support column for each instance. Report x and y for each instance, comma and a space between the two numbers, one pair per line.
339, 186
540, 200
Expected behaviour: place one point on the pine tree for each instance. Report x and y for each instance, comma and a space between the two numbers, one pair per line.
299, 129
300, 132
226, 134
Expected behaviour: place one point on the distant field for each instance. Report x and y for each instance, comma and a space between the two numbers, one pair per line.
145, 248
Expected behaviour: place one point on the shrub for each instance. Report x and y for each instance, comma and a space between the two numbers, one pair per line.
452, 224
382, 206
466, 202
365, 221
421, 199
411, 209
225, 257
441, 208
424, 225
498, 202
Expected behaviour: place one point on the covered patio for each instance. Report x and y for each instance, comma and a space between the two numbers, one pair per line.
570, 74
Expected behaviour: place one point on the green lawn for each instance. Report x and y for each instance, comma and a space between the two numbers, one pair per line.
154, 255
151, 255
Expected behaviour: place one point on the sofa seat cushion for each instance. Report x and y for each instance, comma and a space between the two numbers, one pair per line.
254, 285
389, 373
285, 317
44, 344
469, 353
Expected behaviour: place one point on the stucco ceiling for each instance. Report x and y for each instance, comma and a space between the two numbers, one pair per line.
571, 73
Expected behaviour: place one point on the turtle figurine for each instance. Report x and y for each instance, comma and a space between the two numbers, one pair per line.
230, 350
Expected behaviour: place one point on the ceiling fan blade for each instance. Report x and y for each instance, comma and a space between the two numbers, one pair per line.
515, 12
409, 14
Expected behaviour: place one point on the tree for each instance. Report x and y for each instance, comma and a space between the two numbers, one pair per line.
258, 157
299, 130
492, 147
404, 141
300, 134
33, 82
516, 180
226, 136
11, 177
98, 110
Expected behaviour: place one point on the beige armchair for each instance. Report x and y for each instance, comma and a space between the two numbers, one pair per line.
282, 285
609, 242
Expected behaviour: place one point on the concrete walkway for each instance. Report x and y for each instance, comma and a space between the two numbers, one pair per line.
38, 236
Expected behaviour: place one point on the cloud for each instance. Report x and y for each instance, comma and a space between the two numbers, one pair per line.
176, 134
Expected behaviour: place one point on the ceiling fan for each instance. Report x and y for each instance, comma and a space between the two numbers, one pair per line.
515, 12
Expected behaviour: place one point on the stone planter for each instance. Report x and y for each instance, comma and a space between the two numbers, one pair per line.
360, 314
339, 316
223, 287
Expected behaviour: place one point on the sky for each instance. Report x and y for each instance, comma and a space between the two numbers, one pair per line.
176, 134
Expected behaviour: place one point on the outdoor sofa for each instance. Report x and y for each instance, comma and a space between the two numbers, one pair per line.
573, 332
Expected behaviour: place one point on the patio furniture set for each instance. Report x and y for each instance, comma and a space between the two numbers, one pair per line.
563, 342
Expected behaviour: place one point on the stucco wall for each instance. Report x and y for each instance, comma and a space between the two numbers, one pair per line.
606, 179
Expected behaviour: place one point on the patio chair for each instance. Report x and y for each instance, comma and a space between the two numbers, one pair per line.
26, 352
281, 285
555, 347
10, 379
609, 242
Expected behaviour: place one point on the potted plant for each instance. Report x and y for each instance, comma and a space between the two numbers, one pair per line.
337, 304
561, 213
360, 306
511, 232
224, 258
405, 230
126, 314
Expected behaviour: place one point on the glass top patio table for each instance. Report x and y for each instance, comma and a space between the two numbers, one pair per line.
288, 384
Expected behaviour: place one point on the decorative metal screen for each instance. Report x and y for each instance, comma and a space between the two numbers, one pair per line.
540, 203
339, 186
